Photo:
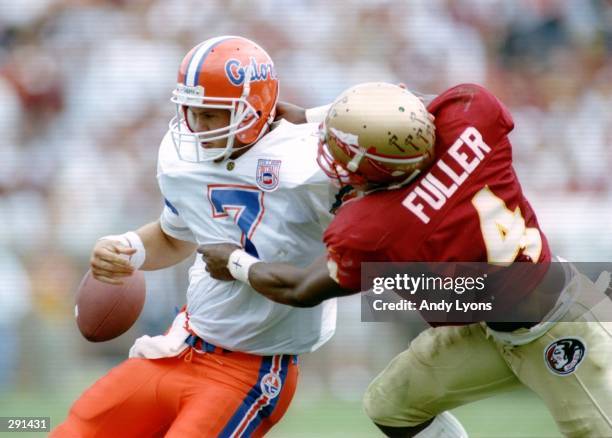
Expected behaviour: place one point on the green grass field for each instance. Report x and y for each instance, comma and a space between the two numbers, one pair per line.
515, 414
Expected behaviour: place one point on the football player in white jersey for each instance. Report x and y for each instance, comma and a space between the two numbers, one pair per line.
228, 365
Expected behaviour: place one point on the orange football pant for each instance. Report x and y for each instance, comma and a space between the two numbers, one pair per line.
216, 394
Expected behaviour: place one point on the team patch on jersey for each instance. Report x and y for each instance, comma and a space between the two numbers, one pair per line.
271, 385
563, 356
267, 176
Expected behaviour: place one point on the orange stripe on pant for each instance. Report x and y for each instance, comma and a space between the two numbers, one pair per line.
195, 395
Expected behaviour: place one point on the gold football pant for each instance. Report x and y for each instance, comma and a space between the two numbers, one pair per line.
569, 367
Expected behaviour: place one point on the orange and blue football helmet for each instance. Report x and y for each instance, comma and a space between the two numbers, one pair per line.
226, 72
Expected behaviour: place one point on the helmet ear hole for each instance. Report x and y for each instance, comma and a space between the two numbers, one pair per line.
251, 134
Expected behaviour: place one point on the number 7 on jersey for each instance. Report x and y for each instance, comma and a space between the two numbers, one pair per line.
245, 205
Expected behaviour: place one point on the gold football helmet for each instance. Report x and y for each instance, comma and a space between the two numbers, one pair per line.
376, 134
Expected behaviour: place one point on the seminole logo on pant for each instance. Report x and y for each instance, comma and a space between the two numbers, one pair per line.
563, 356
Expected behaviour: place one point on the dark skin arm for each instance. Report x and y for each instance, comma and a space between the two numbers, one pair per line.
279, 282
290, 112
297, 115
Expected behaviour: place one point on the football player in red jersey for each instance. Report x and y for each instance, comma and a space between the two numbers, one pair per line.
455, 198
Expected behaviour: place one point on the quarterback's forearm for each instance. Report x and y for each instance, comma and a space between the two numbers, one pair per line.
294, 286
162, 251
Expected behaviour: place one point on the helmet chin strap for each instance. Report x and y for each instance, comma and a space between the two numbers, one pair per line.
353, 165
241, 107
398, 185
232, 150
269, 125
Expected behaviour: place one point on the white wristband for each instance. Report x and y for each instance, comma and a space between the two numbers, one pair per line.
239, 264
317, 114
132, 240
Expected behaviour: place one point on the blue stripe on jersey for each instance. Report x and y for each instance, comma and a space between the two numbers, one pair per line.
249, 247
247, 402
267, 410
171, 207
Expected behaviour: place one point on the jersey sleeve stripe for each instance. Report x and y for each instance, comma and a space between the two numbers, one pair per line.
171, 207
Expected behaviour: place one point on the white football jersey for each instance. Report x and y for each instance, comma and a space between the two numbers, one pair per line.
274, 201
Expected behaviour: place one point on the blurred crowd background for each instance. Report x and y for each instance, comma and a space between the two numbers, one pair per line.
84, 102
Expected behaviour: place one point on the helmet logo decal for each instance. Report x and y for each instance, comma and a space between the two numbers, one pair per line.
235, 71
345, 137
271, 385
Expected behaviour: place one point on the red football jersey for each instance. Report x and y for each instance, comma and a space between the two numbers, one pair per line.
467, 207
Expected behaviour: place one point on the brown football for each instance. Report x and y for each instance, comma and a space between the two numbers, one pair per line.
104, 311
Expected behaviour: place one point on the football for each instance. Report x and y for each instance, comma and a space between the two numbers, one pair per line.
104, 311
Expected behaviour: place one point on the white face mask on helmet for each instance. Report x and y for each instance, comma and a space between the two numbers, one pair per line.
229, 73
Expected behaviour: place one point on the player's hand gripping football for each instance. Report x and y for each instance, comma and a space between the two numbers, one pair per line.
216, 256
109, 261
